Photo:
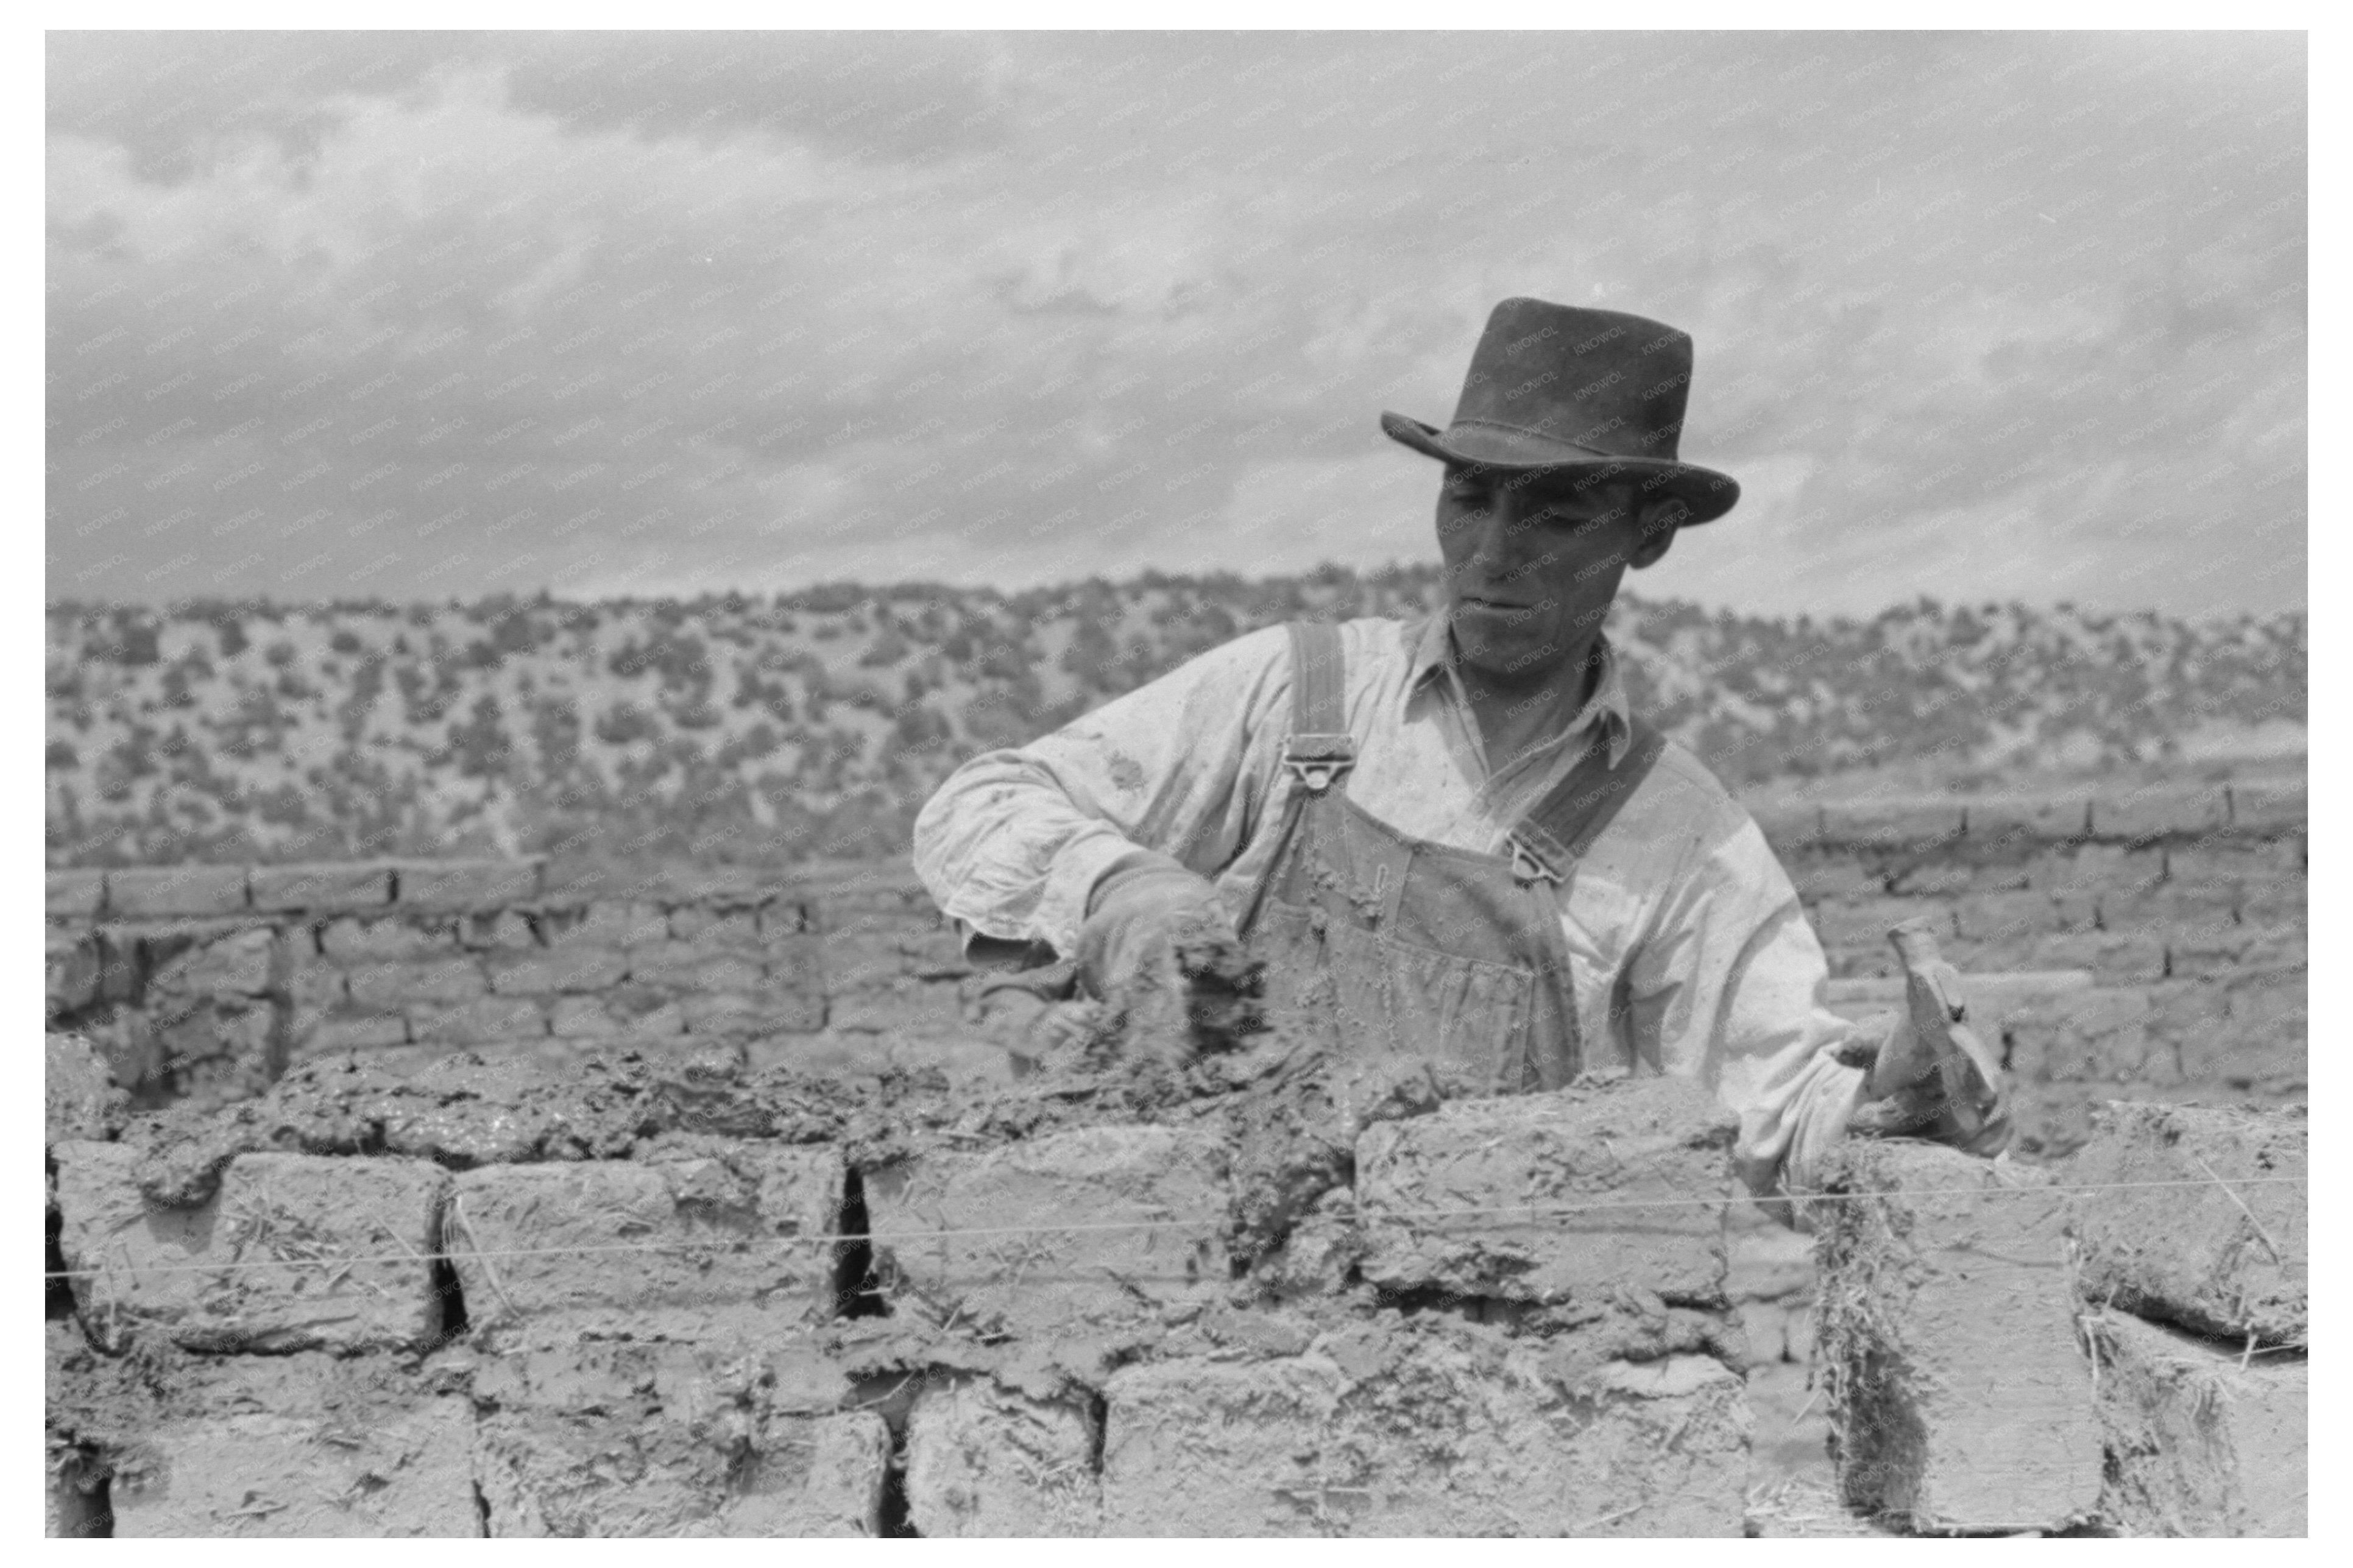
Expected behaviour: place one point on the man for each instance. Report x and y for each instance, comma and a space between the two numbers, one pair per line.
1454, 832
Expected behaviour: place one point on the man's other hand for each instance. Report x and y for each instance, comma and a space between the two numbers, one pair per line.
1155, 928
1925, 1107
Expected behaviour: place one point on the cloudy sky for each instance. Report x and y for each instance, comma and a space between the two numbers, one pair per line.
414, 315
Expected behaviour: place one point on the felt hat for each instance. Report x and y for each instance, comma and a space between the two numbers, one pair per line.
1561, 386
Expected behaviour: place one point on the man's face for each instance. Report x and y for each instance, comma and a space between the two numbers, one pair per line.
1531, 562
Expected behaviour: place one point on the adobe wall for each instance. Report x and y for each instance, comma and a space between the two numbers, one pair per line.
2163, 926
206, 983
2181, 904
1277, 1292
2119, 1341
1261, 1295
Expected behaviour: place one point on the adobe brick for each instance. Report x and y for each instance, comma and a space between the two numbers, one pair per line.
1959, 1393
158, 892
1929, 878
2157, 810
909, 1006
629, 1013
1999, 917
789, 916
2278, 892
485, 1020
491, 931
2100, 1036
812, 1476
2267, 805
457, 977
2203, 1440
870, 960
75, 1479
468, 884
75, 894
2113, 956
1860, 925
1892, 821
247, 963
311, 982
1652, 1154
794, 961
72, 968
714, 928
2268, 1000
313, 887
1461, 1431
2097, 868
318, 1031
78, 1098
542, 972
301, 1446
987, 1462
715, 1235
2031, 818
2001, 1003
188, 1274
625, 925
1833, 874
2222, 1247
765, 1010
680, 965
1157, 1196
352, 940
638, 1439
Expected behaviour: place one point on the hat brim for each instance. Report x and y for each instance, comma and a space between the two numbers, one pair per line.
1706, 493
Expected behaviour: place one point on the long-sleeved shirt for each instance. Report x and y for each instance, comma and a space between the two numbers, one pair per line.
1689, 952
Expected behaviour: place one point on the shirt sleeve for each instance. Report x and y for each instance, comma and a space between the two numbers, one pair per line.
1011, 844
1730, 987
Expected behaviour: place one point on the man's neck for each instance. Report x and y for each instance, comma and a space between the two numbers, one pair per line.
1516, 712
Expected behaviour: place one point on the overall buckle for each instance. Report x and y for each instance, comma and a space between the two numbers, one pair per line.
1528, 868
1317, 760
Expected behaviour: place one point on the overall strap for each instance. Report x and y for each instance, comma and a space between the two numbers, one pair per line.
1318, 751
1560, 829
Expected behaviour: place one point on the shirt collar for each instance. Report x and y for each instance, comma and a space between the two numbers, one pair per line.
1434, 660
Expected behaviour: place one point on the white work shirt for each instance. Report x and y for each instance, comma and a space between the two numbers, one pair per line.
1689, 952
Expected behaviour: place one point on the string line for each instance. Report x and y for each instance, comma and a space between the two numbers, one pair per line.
1408, 1216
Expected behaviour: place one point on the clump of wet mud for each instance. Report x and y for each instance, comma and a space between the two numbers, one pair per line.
1276, 1084
1275, 1080
467, 1111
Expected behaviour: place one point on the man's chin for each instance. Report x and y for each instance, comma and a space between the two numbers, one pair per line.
1490, 639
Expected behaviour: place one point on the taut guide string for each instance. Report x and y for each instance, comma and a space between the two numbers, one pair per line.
1410, 1216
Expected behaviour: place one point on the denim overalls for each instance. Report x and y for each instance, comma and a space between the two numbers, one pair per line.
1441, 954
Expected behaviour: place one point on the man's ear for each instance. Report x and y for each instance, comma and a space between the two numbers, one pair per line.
1660, 519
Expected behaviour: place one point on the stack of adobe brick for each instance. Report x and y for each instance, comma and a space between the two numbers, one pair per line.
2176, 911
2192, 1271
666, 1300
2115, 1344
206, 983
2184, 901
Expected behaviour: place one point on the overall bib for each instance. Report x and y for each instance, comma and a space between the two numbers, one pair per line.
1440, 954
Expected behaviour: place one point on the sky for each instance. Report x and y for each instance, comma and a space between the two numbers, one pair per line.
421, 316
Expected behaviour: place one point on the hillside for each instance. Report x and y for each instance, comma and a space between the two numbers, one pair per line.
813, 724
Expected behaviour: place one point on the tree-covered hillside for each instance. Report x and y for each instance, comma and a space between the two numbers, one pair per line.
813, 724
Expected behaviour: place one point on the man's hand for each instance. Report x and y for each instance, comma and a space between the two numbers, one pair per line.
1977, 1123
1931, 1076
1158, 936
1034, 1014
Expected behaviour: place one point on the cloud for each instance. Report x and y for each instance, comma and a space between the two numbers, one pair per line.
423, 314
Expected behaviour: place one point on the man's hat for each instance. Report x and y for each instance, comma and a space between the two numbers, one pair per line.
1556, 386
